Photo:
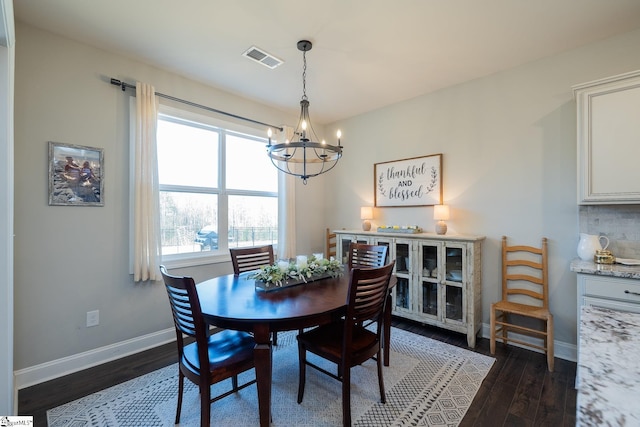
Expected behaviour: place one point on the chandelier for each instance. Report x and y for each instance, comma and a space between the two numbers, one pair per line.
304, 156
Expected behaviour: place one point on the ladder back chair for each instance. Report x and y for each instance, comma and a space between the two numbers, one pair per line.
209, 359
525, 292
362, 255
331, 241
345, 342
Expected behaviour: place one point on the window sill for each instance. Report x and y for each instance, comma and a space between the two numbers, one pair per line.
196, 259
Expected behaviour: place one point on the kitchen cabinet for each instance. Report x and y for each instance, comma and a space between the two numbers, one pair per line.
608, 134
438, 277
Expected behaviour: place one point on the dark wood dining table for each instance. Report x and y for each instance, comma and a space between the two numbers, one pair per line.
233, 302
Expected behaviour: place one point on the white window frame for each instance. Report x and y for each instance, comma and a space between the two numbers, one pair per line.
216, 256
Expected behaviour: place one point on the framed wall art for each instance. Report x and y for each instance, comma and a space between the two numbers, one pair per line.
75, 175
409, 182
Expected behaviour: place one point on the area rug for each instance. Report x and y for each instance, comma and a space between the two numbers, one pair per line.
428, 383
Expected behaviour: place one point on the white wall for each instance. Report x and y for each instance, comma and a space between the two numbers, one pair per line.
70, 260
509, 161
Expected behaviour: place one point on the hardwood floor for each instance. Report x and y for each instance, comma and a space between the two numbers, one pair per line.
518, 391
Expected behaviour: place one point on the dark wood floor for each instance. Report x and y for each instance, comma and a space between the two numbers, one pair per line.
519, 390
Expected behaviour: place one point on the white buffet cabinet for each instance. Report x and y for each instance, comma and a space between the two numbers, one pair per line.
439, 277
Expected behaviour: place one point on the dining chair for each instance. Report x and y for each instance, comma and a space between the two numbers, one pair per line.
248, 259
362, 255
525, 292
211, 358
252, 258
345, 341
331, 242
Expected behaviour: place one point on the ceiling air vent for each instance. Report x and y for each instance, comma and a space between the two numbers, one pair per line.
262, 57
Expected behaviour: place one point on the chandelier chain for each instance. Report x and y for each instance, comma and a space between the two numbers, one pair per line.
304, 76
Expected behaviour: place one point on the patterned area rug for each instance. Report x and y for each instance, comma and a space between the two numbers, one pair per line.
428, 383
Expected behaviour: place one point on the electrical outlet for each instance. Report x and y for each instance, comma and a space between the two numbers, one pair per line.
93, 318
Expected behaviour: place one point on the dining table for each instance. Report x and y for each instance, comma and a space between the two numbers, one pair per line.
234, 302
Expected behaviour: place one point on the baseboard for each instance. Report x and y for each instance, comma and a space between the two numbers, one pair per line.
57, 368
561, 349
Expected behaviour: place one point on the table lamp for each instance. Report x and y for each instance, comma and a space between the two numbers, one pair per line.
366, 213
441, 214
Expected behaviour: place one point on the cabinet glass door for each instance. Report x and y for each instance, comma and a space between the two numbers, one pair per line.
344, 242
428, 254
454, 259
404, 298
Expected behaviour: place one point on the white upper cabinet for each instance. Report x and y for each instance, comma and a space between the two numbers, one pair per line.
609, 140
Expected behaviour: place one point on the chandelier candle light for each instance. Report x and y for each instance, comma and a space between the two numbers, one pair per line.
314, 157
441, 214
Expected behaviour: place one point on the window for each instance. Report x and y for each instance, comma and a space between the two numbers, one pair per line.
218, 188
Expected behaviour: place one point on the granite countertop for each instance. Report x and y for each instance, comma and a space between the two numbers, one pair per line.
608, 369
613, 270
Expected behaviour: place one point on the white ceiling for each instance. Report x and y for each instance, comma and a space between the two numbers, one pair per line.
366, 53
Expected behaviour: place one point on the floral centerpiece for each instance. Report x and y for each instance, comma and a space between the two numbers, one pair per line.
304, 269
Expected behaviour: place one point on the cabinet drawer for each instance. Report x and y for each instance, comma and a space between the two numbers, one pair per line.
612, 305
612, 288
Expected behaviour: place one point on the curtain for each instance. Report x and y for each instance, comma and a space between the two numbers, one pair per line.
286, 206
146, 210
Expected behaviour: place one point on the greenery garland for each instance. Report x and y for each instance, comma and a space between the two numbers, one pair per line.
281, 272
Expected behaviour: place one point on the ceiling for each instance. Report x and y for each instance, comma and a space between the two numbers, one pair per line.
366, 53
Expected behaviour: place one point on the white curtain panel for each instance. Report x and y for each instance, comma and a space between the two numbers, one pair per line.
286, 206
146, 211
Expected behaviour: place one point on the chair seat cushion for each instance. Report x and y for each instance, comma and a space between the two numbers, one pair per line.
326, 340
226, 348
524, 309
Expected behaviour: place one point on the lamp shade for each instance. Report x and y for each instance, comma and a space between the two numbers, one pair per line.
366, 212
441, 212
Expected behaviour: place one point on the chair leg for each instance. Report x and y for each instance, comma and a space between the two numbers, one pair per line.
383, 398
234, 383
180, 390
274, 338
205, 405
492, 345
346, 396
302, 362
550, 356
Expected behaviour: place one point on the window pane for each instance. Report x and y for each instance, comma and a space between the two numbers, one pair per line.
253, 220
189, 222
248, 166
187, 155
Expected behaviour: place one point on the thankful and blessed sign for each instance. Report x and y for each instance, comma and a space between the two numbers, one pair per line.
409, 182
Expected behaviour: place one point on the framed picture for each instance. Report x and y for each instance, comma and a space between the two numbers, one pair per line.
75, 175
409, 182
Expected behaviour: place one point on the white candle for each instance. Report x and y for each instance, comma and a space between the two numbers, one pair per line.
301, 261
283, 265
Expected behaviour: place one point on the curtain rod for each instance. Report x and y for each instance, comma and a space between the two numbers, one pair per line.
124, 86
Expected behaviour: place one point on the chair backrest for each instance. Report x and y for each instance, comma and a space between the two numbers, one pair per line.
368, 290
366, 256
525, 272
247, 259
331, 242
187, 314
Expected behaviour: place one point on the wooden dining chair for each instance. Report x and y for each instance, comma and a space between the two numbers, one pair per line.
249, 259
331, 242
362, 255
345, 341
211, 358
525, 292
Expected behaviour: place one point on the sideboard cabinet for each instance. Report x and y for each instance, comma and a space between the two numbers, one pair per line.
438, 276
608, 135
